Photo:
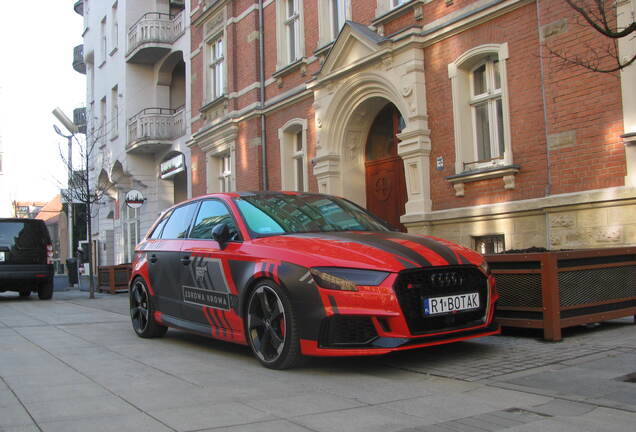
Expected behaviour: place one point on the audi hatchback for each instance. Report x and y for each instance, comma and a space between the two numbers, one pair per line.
298, 274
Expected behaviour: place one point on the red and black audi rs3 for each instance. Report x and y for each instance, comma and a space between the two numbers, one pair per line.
298, 274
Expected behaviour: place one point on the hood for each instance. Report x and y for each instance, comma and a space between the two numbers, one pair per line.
388, 251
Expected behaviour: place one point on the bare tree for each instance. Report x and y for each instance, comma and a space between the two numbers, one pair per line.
601, 16
80, 189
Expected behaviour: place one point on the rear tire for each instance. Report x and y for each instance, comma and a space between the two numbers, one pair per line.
45, 291
142, 312
271, 327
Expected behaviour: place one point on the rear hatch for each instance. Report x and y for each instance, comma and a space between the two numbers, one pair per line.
23, 241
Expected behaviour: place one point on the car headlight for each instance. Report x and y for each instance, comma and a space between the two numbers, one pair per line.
345, 279
485, 267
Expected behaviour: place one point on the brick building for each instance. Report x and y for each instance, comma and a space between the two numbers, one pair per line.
448, 117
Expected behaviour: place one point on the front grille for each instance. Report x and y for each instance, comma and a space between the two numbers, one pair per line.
342, 330
413, 286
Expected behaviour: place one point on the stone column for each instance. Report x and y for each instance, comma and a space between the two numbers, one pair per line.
327, 172
415, 150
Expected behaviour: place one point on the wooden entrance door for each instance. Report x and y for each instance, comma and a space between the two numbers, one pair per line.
385, 184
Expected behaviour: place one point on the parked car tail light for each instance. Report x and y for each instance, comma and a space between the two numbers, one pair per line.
49, 254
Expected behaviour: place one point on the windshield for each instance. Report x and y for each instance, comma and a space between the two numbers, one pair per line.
275, 214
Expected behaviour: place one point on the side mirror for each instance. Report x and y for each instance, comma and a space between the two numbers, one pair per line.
221, 234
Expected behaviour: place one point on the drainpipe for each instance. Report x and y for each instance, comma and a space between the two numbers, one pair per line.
548, 186
261, 71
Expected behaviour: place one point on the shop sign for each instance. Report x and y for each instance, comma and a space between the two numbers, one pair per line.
134, 199
172, 166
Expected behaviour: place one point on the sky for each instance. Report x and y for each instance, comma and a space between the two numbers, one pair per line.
36, 75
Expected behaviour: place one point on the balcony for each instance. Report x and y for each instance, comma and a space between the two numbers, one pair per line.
153, 130
152, 36
78, 59
79, 7
79, 119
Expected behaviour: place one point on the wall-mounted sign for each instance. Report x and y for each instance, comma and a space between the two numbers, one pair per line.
134, 199
439, 163
172, 166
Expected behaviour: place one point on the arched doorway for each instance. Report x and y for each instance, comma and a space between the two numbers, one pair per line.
384, 169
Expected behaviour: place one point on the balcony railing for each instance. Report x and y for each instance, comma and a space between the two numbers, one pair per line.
78, 59
152, 128
151, 33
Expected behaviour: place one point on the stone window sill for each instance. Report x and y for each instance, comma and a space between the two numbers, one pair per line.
506, 172
398, 11
629, 138
213, 103
289, 68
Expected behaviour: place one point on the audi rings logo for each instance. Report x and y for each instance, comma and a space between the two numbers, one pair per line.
448, 279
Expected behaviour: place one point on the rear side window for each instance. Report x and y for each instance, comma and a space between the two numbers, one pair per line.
23, 235
156, 233
179, 222
212, 213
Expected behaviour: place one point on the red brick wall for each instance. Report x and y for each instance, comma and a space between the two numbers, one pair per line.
585, 102
519, 30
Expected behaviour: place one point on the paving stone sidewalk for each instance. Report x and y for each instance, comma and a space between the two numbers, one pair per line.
74, 364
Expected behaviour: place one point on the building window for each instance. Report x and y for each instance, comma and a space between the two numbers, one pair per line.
114, 113
114, 30
338, 16
480, 108
489, 244
293, 152
396, 3
216, 77
225, 173
103, 40
102, 121
289, 38
130, 231
292, 26
0, 163
486, 107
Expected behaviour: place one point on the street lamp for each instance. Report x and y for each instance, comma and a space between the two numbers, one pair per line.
68, 124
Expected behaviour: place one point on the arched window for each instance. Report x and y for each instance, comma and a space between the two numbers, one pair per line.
293, 155
480, 108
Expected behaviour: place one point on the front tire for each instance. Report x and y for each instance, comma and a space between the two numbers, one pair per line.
25, 292
271, 326
142, 313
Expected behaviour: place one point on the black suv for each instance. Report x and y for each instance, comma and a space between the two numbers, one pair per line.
26, 257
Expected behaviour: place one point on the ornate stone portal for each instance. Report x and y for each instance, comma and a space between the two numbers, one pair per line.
361, 74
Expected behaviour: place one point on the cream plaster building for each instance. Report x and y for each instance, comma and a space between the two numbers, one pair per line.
136, 58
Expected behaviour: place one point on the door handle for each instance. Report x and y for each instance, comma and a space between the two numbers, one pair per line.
185, 260
153, 258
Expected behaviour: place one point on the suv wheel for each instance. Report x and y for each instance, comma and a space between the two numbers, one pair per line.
25, 292
45, 291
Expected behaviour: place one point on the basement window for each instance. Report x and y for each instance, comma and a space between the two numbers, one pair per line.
489, 244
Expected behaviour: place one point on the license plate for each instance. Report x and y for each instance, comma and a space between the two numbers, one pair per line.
449, 304
1, 256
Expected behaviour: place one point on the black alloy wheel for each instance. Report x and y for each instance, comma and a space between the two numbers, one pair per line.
271, 327
141, 315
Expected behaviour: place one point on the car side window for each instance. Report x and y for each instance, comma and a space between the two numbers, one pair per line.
212, 213
179, 222
156, 233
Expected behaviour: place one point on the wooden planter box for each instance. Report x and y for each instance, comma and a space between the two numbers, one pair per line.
555, 290
113, 279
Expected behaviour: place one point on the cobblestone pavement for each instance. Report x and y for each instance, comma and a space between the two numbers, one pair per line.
74, 364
